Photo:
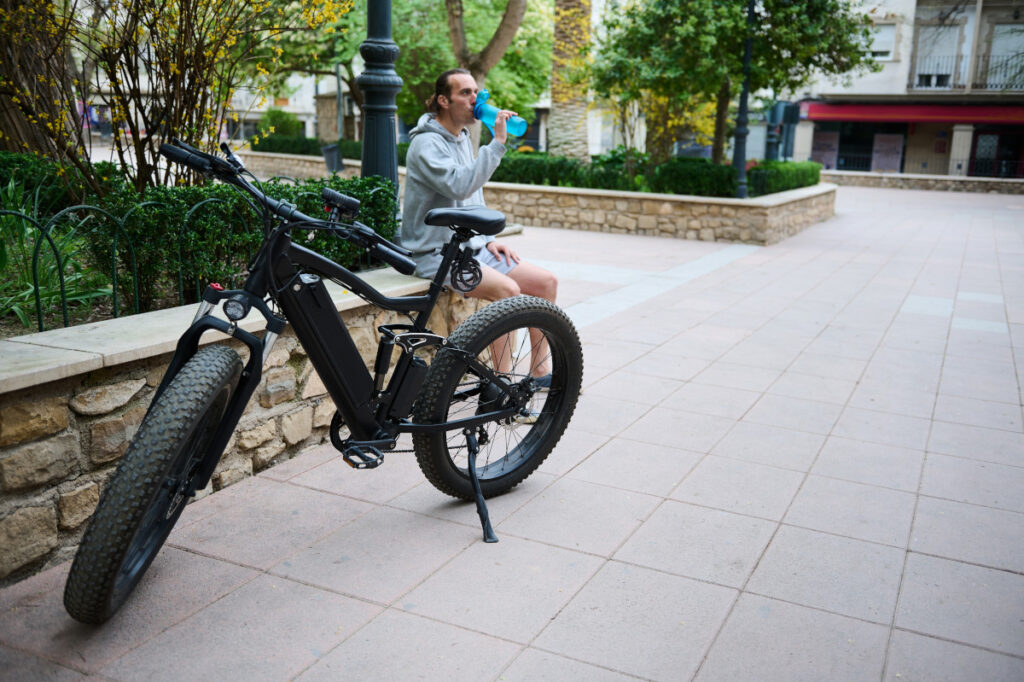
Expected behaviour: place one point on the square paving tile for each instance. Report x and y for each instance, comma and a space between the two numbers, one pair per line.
706, 341
742, 487
829, 366
397, 474
679, 429
637, 388
771, 445
511, 589
398, 646
916, 657
641, 467
766, 639
737, 376
854, 510
883, 428
990, 445
661, 364
18, 665
845, 576
368, 558
949, 408
270, 629
427, 500
541, 666
963, 603
967, 532
881, 397
793, 413
271, 521
603, 416
966, 480
809, 387
715, 400
574, 446
176, 585
697, 542
872, 463
969, 380
309, 458
590, 518
640, 622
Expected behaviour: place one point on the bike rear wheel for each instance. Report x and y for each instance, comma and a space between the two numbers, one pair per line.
518, 338
148, 491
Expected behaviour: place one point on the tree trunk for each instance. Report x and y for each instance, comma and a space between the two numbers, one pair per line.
721, 119
567, 123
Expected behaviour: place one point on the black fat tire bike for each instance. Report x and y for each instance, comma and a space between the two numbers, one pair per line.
485, 412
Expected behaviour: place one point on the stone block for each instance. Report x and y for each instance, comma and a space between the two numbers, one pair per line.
691, 234
266, 453
251, 438
647, 222
278, 387
39, 463
109, 439
323, 414
314, 387
278, 357
26, 535
105, 399
78, 505
297, 426
32, 418
707, 235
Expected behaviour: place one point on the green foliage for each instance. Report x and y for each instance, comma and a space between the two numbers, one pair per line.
282, 144
279, 122
59, 260
49, 186
769, 177
694, 176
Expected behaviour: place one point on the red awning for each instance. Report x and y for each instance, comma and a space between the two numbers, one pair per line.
912, 113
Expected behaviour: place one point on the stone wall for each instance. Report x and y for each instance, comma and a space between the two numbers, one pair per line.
939, 183
60, 441
764, 220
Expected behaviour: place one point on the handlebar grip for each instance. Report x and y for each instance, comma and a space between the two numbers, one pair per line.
178, 155
342, 202
396, 260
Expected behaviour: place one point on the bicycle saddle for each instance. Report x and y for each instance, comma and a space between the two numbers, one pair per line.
480, 219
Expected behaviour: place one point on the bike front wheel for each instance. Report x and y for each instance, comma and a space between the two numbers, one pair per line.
149, 489
531, 343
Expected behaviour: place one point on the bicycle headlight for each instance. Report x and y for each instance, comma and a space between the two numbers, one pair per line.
236, 309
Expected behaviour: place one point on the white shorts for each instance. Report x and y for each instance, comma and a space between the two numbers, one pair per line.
427, 265
485, 257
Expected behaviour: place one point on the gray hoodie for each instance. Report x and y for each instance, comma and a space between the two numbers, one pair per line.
441, 172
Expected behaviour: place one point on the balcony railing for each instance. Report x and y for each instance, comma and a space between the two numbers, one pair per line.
933, 165
936, 73
999, 72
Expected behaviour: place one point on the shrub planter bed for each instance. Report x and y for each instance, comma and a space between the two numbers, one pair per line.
941, 183
765, 220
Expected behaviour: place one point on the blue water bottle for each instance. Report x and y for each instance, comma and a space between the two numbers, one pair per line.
515, 125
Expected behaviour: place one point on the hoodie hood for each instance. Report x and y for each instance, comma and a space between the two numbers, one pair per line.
428, 124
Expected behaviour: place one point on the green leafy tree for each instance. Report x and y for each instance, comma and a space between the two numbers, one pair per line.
688, 50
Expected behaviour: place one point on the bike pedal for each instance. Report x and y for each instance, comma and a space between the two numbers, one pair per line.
357, 457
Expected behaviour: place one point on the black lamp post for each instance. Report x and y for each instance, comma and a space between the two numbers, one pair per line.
379, 84
739, 155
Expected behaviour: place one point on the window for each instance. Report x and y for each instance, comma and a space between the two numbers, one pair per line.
883, 42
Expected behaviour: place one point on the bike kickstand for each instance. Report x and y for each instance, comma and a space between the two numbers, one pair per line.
481, 506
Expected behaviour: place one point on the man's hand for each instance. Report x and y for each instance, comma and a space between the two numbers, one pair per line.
500, 131
498, 249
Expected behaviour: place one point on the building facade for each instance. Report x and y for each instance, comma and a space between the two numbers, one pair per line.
948, 99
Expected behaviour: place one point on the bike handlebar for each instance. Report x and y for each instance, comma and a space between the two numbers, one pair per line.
228, 171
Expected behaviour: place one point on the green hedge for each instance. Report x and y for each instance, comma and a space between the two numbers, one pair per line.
769, 177
310, 146
221, 235
680, 175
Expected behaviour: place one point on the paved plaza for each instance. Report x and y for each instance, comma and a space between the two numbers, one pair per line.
796, 462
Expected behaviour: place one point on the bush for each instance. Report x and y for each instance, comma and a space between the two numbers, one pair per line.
693, 176
281, 144
279, 122
210, 233
769, 177
34, 174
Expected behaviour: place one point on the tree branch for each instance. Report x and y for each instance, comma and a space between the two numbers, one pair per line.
515, 10
457, 31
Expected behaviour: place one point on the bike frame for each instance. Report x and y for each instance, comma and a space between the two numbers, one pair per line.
294, 276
